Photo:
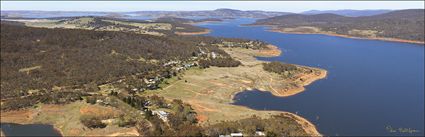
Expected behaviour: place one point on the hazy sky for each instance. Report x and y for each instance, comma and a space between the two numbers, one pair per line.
290, 6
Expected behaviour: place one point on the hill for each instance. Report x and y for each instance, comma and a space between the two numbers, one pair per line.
185, 20
42, 59
349, 13
161, 27
46, 73
218, 13
397, 25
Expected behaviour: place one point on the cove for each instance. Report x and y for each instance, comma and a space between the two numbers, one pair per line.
12, 129
373, 87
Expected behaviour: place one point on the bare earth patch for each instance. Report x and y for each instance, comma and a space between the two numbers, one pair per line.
206, 31
66, 119
210, 91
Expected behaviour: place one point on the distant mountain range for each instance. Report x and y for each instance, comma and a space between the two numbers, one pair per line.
222, 13
348, 13
232, 13
218, 13
401, 24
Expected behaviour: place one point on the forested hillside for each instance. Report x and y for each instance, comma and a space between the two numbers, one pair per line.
41, 59
402, 24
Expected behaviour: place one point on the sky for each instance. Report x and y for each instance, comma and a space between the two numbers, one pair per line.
287, 6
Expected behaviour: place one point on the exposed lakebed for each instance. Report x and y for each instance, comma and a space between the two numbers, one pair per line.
372, 88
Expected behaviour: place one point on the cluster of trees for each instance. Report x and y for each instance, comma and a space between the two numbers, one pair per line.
277, 125
237, 42
57, 97
219, 62
403, 24
278, 67
181, 122
182, 119
92, 121
183, 114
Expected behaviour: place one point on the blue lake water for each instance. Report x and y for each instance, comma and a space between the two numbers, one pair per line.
372, 88
12, 129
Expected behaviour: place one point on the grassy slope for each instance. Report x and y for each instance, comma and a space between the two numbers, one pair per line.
210, 91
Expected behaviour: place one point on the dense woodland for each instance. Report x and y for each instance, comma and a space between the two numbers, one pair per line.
59, 66
36, 58
402, 24
220, 62
278, 67
57, 59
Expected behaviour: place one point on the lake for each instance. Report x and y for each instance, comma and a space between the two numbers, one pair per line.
12, 129
372, 88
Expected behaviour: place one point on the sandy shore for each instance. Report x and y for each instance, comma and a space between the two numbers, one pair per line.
272, 51
277, 91
273, 84
308, 79
201, 22
206, 31
307, 125
274, 29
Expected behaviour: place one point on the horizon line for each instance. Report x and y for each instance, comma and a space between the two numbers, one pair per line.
206, 10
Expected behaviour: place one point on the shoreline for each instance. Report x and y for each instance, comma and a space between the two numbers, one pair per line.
201, 22
296, 90
274, 51
308, 127
273, 28
206, 31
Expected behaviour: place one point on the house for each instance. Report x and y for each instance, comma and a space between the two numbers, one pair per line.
213, 55
259, 133
147, 103
202, 52
236, 134
161, 114
228, 44
148, 81
99, 101
171, 63
224, 136
179, 68
202, 44
188, 65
